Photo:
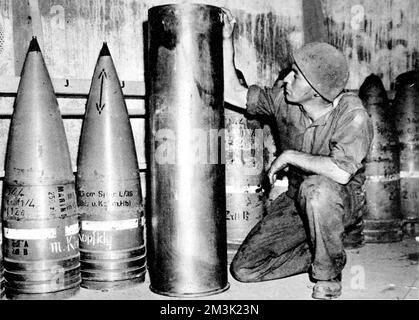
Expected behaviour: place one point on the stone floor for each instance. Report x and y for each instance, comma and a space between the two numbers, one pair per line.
375, 271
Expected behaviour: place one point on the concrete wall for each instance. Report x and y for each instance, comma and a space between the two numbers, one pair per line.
71, 32
377, 36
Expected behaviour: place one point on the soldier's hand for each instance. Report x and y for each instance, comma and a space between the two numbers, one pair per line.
229, 23
278, 164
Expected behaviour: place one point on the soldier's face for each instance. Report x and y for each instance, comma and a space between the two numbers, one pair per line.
297, 89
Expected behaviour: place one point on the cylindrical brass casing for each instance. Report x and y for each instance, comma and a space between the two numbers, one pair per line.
186, 225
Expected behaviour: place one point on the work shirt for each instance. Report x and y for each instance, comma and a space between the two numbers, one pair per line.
344, 133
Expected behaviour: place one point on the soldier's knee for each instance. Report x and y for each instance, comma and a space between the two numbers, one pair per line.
240, 273
317, 190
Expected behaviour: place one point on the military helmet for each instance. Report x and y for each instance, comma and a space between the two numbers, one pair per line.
324, 67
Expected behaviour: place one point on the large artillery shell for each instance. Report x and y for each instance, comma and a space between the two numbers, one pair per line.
112, 237
186, 228
40, 219
2, 288
383, 220
244, 169
406, 106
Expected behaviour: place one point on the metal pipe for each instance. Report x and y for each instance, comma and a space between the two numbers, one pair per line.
64, 87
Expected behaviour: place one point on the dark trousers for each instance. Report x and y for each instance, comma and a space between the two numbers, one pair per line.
300, 234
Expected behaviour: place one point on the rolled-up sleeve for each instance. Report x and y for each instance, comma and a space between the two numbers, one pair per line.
351, 142
263, 101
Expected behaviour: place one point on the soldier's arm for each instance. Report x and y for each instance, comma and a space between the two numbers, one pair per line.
234, 92
322, 165
348, 148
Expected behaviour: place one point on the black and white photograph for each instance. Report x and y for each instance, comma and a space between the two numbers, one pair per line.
209, 156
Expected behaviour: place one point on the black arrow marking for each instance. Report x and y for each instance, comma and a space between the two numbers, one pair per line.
100, 106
